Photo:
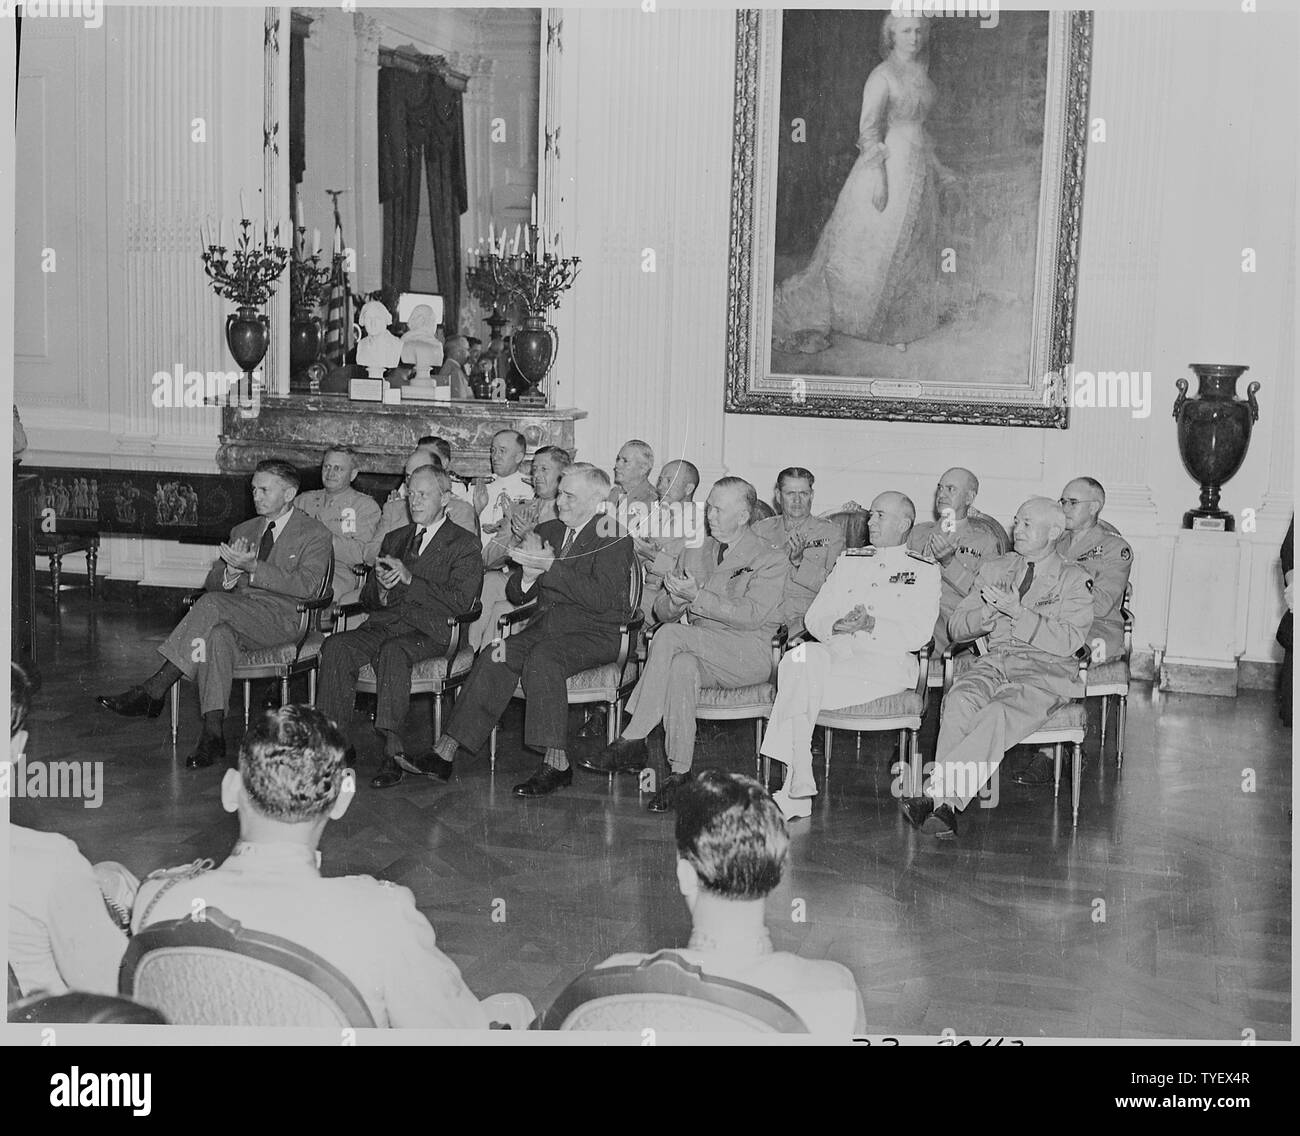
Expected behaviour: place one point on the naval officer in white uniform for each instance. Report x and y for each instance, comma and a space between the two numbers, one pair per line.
877, 606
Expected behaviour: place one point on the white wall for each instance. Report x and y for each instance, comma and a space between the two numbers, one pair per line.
1199, 163
116, 178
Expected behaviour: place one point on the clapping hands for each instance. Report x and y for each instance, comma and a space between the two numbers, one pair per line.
240, 555
682, 587
857, 619
532, 554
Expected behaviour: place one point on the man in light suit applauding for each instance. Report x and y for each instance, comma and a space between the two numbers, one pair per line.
270, 563
729, 590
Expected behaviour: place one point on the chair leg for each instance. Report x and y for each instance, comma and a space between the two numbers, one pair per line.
758, 745
1056, 786
311, 686
1105, 703
92, 557
613, 716
284, 690
1076, 779
1119, 731
492, 750
914, 758
826, 745
56, 566
176, 707
248, 698
437, 716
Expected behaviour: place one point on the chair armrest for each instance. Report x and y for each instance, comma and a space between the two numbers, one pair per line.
190, 600
320, 603
458, 625
352, 607
627, 633
923, 674
507, 620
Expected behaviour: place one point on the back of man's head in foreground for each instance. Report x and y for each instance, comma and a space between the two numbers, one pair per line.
731, 833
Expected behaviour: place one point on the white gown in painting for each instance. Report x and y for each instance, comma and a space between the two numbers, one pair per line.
873, 273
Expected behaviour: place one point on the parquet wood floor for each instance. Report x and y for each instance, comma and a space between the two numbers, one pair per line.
997, 933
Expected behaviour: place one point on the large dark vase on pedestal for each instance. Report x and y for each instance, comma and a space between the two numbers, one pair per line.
304, 350
532, 350
248, 335
1213, 436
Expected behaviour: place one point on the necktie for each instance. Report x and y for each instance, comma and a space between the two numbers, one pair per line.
569, 534
1028, 580
268, 542
417, 539
722, 551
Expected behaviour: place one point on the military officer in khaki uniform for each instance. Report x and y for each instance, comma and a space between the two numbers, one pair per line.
369, 929
1036, 610
1105, 555
351, 516
956, 541
675, 521
877, 607
730, 591
811, 544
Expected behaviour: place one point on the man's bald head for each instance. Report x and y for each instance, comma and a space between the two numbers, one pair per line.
956, 491
678, 481
1039, 523
890, 519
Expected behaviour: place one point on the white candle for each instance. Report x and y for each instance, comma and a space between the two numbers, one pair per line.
338, 240
243, 209
301, 223
315, 236
518, 230
534, 209
492, 235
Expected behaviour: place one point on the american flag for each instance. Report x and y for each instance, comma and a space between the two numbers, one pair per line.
338, 318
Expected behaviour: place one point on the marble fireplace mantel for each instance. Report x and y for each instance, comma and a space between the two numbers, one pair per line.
298, 427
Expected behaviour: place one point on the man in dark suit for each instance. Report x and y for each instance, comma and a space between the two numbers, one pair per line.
271, 562
579, 569
425, 572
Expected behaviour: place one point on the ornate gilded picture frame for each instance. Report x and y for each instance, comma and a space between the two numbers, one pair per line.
906, 199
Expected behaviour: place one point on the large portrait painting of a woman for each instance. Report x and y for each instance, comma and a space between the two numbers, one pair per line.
906, 196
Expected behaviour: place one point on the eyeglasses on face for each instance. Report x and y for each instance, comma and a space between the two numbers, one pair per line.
1070, 502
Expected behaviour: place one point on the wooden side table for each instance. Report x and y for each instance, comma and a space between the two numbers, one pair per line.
57, 545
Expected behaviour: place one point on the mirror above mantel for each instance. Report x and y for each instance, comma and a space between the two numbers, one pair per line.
415, 130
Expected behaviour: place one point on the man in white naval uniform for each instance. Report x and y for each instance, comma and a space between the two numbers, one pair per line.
878, 605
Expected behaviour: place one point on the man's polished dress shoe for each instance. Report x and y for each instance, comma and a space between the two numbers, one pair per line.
622, 755
594, 726
388, 776
916, 809
663, 800
350, 758
211, 748
1040, 771
545, 779
922, 813
426, 765
133, 703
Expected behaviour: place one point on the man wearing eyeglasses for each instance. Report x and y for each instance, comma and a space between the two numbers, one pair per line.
1096, 547
957, 541
1099, 550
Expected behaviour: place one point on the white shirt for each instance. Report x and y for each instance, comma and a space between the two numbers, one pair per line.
428, 533
231, 577
60, 933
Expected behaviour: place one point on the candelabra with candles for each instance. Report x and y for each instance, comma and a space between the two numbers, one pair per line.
530, 272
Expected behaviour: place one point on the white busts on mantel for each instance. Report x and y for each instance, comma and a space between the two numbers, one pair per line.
422, 348
380, 349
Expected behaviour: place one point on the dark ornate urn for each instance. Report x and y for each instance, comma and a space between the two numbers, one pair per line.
1213, 436
304, 350
532, 351
248, 335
